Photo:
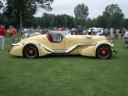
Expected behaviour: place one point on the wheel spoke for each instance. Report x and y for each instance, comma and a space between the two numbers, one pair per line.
104, 52
31, 52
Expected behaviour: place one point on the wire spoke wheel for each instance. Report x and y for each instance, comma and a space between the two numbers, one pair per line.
104, 52
30, 51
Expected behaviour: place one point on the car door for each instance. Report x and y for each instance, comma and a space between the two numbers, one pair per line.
76, 43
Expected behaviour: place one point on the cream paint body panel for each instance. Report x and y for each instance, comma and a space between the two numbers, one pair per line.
16, 51
72, 41
81, 44
43, 52
54, 46
88, 51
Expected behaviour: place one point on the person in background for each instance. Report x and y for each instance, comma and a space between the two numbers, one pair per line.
111, 33
117, 33
2, 34
80, 30
90, 32
12, 31
74, 31
126, 38
106, 32
85, 32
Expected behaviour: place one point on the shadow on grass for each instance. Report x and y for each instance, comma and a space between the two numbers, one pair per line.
64, 57
56, 56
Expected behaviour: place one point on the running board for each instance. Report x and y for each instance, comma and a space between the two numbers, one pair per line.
66, 51
59, 51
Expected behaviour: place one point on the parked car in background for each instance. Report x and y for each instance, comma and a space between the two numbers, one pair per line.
126, 39
95, 31
64, 32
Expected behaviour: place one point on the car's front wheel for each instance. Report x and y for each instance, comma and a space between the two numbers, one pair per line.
30, 51
104, 52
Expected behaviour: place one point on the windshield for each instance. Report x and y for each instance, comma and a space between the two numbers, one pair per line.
27, 35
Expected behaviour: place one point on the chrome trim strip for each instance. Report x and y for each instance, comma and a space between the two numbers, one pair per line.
63, 51
16, 44
71, 48
46, 48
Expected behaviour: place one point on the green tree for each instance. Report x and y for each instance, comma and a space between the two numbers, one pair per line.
1, 5
113, 16
125, 23
81, 11
23, 10
101, 22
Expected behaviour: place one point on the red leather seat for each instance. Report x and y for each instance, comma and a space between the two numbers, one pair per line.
55, 37
50, 37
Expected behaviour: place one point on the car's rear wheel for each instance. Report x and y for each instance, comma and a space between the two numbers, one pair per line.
104, 52
30, 51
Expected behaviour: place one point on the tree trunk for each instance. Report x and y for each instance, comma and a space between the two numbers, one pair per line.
21, 22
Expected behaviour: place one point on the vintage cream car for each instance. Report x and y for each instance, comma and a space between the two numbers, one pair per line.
36, 45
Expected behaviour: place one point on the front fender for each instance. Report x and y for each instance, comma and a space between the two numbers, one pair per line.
42, 50
17, 49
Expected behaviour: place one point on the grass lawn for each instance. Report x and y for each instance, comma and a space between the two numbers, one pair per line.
64, 75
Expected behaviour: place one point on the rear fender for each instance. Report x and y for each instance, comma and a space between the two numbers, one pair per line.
103, 43
91, 50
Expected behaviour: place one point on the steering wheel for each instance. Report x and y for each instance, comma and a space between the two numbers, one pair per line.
59, 37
